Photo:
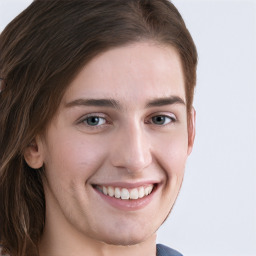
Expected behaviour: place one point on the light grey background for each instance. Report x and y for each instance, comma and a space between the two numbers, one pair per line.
215, 214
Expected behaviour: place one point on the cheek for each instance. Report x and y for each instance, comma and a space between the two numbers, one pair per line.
75, 157
173, 154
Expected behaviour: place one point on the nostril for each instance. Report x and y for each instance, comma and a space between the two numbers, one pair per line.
131, 149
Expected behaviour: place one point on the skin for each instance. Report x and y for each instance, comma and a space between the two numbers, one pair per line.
128, 147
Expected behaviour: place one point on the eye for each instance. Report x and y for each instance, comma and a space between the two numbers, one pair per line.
162, 120
94, 120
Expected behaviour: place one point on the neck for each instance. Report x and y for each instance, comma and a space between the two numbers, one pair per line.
60, 244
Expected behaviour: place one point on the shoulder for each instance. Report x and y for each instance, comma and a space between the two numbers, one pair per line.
163, 250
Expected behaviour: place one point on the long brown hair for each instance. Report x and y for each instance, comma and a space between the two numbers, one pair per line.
41, 51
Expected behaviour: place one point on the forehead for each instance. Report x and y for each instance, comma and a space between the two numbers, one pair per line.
131, 74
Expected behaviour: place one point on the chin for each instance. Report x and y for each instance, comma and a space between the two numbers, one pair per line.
124, 241
123, 237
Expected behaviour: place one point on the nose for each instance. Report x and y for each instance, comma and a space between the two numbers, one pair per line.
131, 149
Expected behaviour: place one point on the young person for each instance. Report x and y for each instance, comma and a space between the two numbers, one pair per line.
96, 125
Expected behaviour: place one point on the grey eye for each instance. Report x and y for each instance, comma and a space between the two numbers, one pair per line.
95, 120
161, 120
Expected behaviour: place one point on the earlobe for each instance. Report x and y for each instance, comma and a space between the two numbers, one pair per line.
33, 154
191, 129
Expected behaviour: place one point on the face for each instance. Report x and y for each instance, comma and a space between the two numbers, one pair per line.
115, 152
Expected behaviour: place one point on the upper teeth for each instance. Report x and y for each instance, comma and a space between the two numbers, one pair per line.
125, 193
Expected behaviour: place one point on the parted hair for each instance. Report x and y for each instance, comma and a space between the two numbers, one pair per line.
41, 52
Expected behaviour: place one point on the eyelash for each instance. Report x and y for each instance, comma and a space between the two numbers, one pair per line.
172, 119
84, 120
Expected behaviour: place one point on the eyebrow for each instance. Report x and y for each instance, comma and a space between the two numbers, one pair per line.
115, 104
94, 102
166, 101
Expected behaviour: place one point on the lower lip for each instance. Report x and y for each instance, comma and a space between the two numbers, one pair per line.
129, 204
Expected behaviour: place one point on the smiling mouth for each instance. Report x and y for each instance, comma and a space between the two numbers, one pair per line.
125, 193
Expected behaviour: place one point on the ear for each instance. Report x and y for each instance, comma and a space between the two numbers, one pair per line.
191, 129
33, 154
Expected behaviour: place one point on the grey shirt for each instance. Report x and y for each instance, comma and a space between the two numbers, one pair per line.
162, 250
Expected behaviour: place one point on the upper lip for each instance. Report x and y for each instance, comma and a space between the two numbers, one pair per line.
127, 184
